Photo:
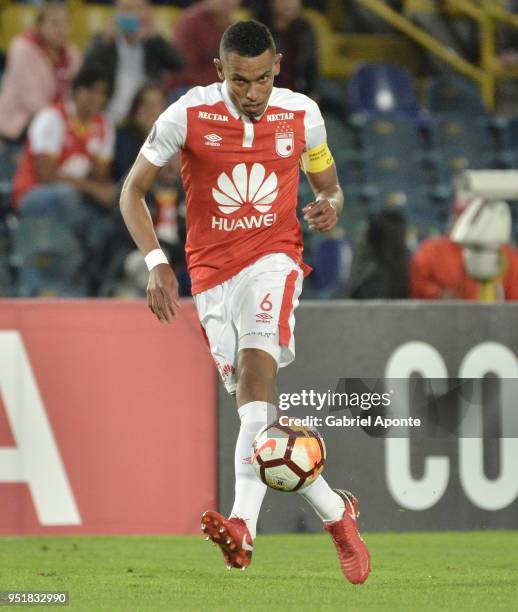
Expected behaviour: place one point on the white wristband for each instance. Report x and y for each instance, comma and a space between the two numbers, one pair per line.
154, 258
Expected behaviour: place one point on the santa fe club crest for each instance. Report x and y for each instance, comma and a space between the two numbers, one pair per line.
284, 139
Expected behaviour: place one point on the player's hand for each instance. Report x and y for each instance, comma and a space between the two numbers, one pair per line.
162, 293
321, 215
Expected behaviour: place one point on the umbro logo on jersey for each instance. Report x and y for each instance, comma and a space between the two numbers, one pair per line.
212, 116
246, 188
213, 140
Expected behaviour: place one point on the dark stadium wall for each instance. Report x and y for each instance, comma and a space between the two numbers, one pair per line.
439, 482
107, 419
113, 423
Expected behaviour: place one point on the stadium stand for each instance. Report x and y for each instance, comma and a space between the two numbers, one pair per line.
14, 19
48, 259
398, 141
450, 94
9, 156
6, 285
382, 88
331, 264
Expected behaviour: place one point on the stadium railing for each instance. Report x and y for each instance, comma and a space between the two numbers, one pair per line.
487, 14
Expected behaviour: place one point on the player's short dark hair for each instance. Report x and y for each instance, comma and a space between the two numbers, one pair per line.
88, 77
246, 38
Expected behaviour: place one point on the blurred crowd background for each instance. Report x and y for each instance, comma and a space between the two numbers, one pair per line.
82, 84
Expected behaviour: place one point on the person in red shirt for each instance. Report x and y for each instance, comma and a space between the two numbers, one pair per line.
242, 141
65, 170
41, 64
437, 272
196, 35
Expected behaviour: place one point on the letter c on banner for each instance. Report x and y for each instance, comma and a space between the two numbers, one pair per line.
409, 358
500, 492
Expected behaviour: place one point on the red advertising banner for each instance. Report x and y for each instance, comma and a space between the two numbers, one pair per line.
107, 419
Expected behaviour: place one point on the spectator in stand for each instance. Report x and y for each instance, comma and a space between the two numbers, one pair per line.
197, 34
65, 171
379, 268
131, 53
164, 198
296, 41
438, 271
40, 66
149, 102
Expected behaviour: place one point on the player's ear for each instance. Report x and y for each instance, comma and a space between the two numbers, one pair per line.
219, 68
277, 64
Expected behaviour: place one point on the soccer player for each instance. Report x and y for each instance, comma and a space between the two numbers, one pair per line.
241, 142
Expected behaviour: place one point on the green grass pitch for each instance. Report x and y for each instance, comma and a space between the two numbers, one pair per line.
426, 571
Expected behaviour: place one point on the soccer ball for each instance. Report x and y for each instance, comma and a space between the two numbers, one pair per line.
288, 458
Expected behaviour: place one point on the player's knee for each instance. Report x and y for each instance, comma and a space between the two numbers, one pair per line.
256, 369
255, 362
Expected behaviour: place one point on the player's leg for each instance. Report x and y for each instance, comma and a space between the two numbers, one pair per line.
256, 397
267, 324
274, 291
328, 505
267, 295
352, 551
259, 295
235, 535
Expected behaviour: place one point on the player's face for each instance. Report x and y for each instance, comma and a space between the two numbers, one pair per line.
249, 79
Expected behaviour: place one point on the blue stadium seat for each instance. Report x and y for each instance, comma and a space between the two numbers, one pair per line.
389, 134
511, 136
382, 88
451, 163
48, 258
6, 284
359, 200
462, 142
9, 156
461, 134
341, 138
418, 203
394, 169
331, 265
351, 171
452, 94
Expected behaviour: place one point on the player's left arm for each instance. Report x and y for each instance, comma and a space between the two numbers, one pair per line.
322, 214
317, 162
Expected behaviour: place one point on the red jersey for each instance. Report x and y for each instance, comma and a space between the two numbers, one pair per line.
56, 131
240, 176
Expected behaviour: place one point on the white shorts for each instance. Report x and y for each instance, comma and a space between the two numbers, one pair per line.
253, 309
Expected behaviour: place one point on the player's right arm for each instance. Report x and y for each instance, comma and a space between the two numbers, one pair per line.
162, 289
166, 138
